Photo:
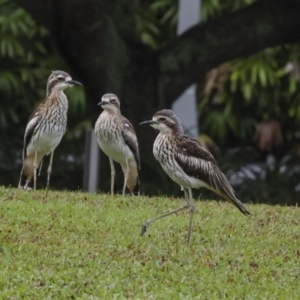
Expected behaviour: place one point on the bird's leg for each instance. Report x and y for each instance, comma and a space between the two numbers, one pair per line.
112, 174
148, 222
186, 194
187, 206
40, 168
49, 172
35, 166
20, 186
125, 177
192, 209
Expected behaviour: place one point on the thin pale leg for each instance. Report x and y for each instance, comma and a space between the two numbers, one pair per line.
112, 178
125, 178
192, 209
20, 186
186, 194
35, 167
40, 168
49, 172
148, 222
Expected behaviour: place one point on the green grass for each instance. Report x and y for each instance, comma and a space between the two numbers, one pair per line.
81, 246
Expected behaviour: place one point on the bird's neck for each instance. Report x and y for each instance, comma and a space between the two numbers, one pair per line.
112, 113
166, 135
58, 98
171, 132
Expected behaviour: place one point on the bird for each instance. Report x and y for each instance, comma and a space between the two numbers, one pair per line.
117, 139
188, 163
45, 128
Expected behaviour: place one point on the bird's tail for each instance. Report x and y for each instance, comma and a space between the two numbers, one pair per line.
27, 171
136, 190
237, 203
133, 181
241, 207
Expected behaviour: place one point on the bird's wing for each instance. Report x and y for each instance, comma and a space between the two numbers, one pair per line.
195, 148
130, 139
198, 162
33, 123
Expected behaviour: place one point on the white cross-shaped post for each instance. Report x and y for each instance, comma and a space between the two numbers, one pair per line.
91, 163
185, 107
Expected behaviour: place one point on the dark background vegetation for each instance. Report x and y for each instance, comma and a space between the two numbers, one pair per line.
244, 58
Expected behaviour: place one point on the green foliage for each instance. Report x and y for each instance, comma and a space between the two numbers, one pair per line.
23, 57
21, 47
215, 8
27, 58
157, 22
83, 246
250, 90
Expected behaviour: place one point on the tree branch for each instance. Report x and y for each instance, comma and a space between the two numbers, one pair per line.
116, 61
264, 24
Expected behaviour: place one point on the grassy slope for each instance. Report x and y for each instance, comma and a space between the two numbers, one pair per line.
76, 245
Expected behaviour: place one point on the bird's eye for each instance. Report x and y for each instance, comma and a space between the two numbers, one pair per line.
162, 119
60, 78
113, 100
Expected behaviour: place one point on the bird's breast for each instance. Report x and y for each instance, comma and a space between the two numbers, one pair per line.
164, 150
107, 129
51, 126
109, 135
45, 142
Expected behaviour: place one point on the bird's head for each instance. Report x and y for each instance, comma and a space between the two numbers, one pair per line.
60, 80
110, 102
165, 120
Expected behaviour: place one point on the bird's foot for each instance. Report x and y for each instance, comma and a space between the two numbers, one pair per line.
26, 188
145, 227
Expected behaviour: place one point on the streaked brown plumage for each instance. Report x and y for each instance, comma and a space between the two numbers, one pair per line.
117, 139
46, 127
188, 163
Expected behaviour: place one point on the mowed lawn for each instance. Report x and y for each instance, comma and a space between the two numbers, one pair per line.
75, 245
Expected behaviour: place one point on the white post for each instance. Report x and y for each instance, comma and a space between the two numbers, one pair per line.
185, 107
91, 162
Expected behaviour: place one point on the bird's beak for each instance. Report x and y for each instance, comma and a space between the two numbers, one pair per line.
102, 103
74, 82
150, 122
